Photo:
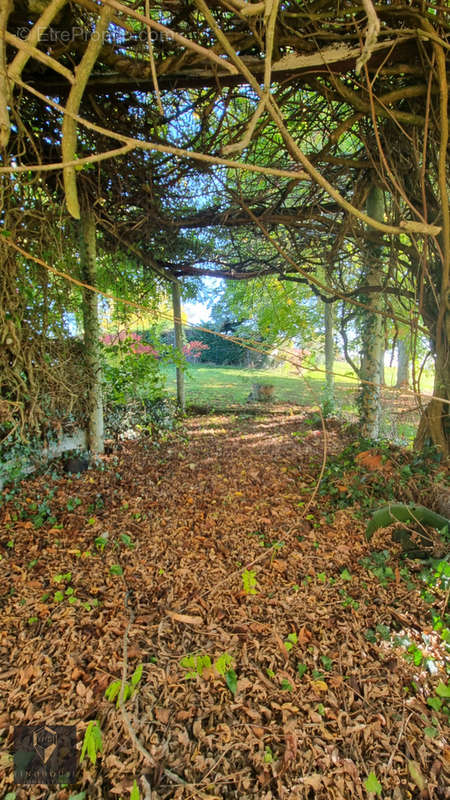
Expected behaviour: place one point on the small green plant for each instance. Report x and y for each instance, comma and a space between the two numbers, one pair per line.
372, 784
195, 664
377, 564
65, 577
290, 641
116, 569
286, 685
113, 690
249, 581
100, 543
73, 503
301, 669
126, 540
441, 699
224, 666
348, 601
92, 742
327, 662
135, 794
268, 755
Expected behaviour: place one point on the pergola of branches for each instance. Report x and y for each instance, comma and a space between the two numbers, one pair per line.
187, 123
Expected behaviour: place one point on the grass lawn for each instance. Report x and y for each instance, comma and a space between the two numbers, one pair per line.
221, 387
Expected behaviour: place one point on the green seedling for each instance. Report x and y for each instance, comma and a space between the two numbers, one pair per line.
92, 742
113, 690
290, 641
195, 665
249, 581
224, 666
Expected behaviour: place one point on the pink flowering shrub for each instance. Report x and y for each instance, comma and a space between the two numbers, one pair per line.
133, 340
193, 350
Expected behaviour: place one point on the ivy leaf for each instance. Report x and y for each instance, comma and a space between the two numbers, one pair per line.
372, 784
442, 690
435, 703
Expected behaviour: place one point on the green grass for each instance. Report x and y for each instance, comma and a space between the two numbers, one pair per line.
221, 386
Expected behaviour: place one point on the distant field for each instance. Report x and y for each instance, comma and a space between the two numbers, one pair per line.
220, 387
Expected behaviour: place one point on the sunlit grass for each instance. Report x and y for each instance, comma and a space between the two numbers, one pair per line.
218, 387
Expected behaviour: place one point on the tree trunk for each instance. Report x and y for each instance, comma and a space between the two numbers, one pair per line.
372, 331
91, 326
329, 356
178, 328
382, 373
403, 353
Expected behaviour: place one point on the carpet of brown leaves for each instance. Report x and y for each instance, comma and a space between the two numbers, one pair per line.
199, 510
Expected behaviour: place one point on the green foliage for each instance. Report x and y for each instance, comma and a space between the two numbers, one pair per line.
348, 601
346, 482
65, 577
372, 784
126, 540
377, 564
100, 543
128, 374
92, 742
268, 755
327, 662
195, 664
116, 569
224, 666
231, 681
220, 351
113, 690
267, 310
223, 663
290, 641
249, 581
135, 794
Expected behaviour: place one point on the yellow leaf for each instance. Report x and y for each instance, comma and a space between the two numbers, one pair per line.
319, 686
